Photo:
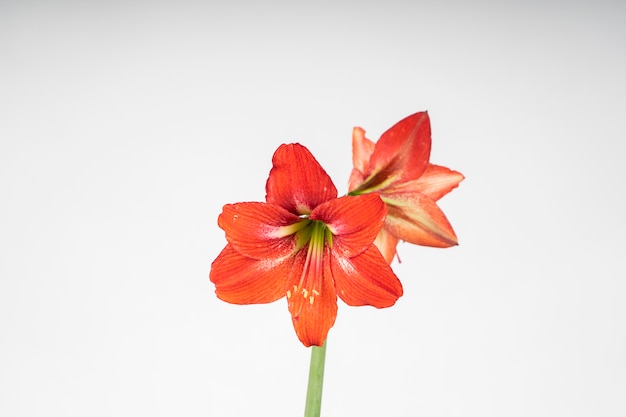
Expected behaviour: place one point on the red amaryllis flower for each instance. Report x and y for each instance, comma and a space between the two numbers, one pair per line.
397, 168
306, 244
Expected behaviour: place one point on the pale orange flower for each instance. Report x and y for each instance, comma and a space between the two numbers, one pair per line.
397, 167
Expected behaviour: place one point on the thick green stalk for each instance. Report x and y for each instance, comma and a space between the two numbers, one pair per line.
316, 380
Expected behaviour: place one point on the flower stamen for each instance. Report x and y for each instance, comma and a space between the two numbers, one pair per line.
316, 235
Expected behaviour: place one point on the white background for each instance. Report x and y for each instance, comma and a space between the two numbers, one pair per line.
124, 128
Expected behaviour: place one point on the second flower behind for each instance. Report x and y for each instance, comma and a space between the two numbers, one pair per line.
397, 168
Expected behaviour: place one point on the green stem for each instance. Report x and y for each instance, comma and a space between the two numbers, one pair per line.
316, 380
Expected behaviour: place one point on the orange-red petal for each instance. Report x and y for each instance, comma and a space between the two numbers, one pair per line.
297, 182
259, 230
416, 218
386, 244
362, 149
242, 280
311, 298
402, 152
435, 182
366, 279
353, 221
355, 180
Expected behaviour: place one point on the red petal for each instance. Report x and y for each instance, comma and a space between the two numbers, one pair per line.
402, 152
311, 298
242, 280
297, 182
353, 221
415, 218
435, 182
386, 244
366, 279
259, 230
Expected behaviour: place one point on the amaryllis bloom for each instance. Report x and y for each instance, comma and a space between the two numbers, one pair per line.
306, 244
397, 167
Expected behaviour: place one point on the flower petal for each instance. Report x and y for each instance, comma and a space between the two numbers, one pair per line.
259, 230
416, 218
242, 280
386, 244
401, 154
354, 222
435, 182
362, 149
366, 279
297, 182
311, 298
356, 179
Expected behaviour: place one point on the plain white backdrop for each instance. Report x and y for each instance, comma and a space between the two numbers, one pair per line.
125, 127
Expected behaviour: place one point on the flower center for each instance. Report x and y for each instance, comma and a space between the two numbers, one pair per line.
372, 184
314, 235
